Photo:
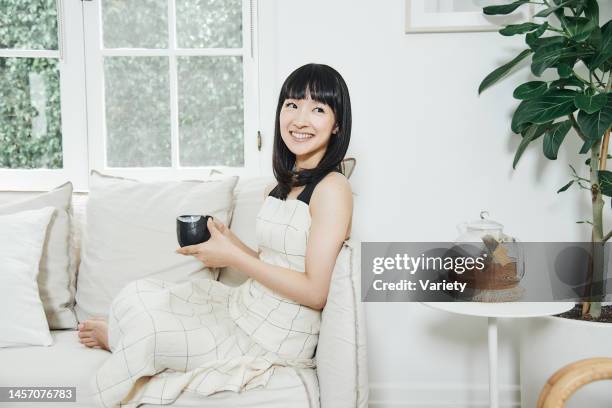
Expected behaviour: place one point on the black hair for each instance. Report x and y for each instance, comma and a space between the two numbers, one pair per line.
325, 85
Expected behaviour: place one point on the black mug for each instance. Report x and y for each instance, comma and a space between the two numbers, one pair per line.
192, 229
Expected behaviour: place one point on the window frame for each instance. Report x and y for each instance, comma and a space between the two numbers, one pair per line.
94, 60
72, 108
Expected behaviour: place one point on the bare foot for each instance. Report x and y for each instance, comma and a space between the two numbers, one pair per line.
94, 333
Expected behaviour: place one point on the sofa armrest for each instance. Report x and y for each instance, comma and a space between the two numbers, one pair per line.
341, 351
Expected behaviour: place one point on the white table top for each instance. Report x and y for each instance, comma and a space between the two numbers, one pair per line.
508, 309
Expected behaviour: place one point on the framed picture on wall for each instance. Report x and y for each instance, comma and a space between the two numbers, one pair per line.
431, 16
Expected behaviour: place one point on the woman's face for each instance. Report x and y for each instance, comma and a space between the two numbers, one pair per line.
306, 127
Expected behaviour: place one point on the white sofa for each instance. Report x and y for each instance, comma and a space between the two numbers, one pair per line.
340, 379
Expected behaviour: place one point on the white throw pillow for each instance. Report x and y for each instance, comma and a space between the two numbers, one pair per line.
130, 234
57, 278
341, 351
22, 317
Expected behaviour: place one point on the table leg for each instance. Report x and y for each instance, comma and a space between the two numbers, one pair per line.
493, 384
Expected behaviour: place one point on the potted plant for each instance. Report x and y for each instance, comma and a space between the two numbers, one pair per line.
566, 40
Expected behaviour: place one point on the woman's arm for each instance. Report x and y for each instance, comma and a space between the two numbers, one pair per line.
331, 208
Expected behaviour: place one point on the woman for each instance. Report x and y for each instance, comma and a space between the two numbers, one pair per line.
273, 318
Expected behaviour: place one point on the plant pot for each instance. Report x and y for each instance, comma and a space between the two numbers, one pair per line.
549, 343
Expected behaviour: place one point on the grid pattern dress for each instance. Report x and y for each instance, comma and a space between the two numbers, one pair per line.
206, 337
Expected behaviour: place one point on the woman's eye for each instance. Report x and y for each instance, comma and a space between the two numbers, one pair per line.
319, 110
290, 105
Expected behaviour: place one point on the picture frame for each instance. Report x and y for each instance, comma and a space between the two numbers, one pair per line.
440, 16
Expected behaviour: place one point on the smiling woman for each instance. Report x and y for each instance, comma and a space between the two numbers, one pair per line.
238, 335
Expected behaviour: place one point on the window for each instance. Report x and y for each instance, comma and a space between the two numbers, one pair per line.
39, 147
171, 87
149, 89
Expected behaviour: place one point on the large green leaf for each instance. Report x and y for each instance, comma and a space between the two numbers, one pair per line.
604, 52
552, 105
571, 81
545, 41
591, 103
531, 38
513, 29
549, 55
548, 11
605, 182
528, 138
530, 90
591, 9
554, 137
539, 129
503, 8
580, 28
586, 146
564, 70
594, 125
502, 71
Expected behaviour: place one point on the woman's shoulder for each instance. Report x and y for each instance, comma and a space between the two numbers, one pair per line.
333, 187
335, 180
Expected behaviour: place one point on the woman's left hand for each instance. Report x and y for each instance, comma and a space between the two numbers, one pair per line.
217, 252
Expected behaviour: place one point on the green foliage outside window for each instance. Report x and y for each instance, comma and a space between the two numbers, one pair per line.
30, 126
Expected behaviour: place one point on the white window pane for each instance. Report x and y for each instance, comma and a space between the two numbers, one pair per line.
30, 24
135, 24
209, 23
211, 115
137, 100
30, 126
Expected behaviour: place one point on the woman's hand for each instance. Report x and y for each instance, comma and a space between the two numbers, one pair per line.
223, 229
218, 251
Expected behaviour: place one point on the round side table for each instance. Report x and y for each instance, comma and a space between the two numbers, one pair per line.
493, 311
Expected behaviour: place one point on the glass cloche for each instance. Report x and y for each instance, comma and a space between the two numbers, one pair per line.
501, 266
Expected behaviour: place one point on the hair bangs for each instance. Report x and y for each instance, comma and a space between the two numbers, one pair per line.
314, 82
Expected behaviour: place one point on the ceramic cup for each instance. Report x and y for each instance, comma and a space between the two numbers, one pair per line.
192, 229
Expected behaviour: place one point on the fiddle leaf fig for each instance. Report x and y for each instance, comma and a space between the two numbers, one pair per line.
605, 182
564, 70
548, 106
594, 125
604, 48
586, 146
571, 81
514, 29
503, 8
552, 105
554, 138
548, 11
502, 71
530, 90
580, 28
528, 138
532, 37
549, 55
591, 9
590, 103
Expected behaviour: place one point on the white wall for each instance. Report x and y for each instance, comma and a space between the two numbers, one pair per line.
430, 154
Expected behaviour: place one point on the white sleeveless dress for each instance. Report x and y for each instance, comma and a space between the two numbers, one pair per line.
206, 337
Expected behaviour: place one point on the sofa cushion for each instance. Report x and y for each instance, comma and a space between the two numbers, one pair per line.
341, 351
68, 363
130, 233
22, 320
248, 199
56, 281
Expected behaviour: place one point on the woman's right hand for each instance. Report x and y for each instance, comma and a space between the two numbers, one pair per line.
223, 229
